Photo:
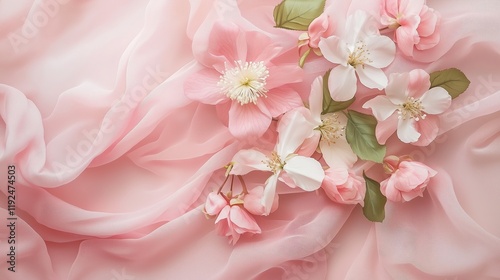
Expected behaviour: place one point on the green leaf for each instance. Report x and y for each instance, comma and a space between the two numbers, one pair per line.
374, 201
330, 105
360, 134
297, 14
452, 80
302, 59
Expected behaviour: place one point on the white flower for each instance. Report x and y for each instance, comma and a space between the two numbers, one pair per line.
304, 172
407, 105
362, 51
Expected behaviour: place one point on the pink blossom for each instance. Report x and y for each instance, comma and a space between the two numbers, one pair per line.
239, 78
359, 52
215, 203
415, 23
252, 201
344, 186
409, 107
408, 179
320, 27
295, 170
233, 221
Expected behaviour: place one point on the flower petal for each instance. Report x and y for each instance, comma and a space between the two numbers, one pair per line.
214, 204
334, 49
428, 129
342, 83
248, 120
381, 106
202, 86
316, 99
283, 75
307, 173
269, 193
396, 89
407, 132
242, 221
338, 155
245, 161
292, 133
419, 83
382, 51
226, 44
436, 100
371, 77
280, 100
359, 26
386, 129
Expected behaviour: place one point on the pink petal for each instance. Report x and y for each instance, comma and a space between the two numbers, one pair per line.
382, 51
436, 100
406, 38
419, 83
382, 107
342, 83
371, 77
410, 7
246, 161
248, 120
252, 201
428, 129
397, 86
243, 221
283, 75
334, 50
260, 47
280, 100
391, 7
428, 23
226, 44
386, 129
202, 86
214, 204
407, 132
307, 173
388, 190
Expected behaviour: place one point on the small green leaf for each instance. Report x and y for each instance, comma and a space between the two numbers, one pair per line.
297, 14
452, 80
330, 105
374, 201
302, 59
360, 134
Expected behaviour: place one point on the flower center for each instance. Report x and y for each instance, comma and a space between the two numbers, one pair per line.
246, 82
331, 129
411, 109
359, 55
274, 162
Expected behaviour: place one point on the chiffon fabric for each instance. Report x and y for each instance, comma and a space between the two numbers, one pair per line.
114, 163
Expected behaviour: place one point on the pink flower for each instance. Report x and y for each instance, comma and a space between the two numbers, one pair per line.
232, 220
239, 77
409, 107
320, 27
295, 170
252, 201
360, 51
343, 186
408, 179
415, 23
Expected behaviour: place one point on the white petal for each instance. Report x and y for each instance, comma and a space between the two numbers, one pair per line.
360, 25
407, 132
382, 51
397, 87
292, 133
269, 193
246, 161
436, 100
381, 106
334, 50
307, 173
316, 99
338, 155
342, 83
371, 77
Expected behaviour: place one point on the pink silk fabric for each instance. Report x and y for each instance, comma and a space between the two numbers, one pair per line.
114, 163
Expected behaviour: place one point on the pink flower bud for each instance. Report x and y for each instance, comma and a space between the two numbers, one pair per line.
253, 201
234, 221
214, 204
343, 186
